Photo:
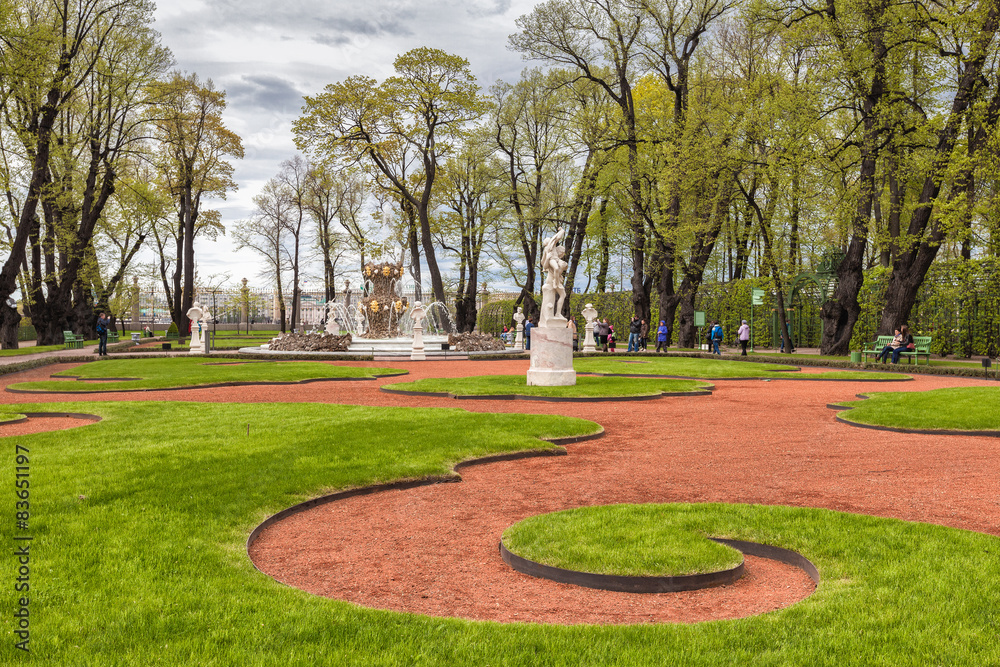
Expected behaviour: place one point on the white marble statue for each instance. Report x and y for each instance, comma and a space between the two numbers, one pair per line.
417, 314
590, 314
519, 337
555, 268
206, 340
196, 313
359, 318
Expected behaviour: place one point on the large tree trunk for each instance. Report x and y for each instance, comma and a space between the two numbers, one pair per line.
841, 312
10, 321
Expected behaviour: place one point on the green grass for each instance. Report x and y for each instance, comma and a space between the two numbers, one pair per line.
10, 416
624, 540
956, 408
680, 366
139, 523
35, 349
714, 369
164, 373
852, 375
585, 387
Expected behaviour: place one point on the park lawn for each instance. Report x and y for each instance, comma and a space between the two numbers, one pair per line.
585, 387
233, 343
848, 375
163, 373
679, 367
139, 523
35, 349
714, 369
953, 408
622, 540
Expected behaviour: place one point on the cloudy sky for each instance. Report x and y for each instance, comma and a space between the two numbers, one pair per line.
268, 54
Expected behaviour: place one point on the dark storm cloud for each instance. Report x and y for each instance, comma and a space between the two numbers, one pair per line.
263, 91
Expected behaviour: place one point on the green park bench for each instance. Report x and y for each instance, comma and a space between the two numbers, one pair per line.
71, 341
113, 336
921, 348
172, 335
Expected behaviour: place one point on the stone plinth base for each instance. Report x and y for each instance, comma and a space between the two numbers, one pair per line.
551, 357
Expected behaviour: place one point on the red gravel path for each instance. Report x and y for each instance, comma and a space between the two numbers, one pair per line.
433, 550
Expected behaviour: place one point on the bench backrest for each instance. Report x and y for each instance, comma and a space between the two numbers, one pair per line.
69, 335
882, 341
922, 344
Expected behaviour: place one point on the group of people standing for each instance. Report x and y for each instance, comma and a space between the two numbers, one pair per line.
605, 337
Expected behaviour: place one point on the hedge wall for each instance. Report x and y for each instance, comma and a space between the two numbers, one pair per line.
958, 305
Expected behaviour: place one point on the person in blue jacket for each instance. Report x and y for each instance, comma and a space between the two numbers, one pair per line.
661, 336
716, 337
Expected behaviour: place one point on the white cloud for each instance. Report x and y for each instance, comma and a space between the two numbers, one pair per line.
267, 54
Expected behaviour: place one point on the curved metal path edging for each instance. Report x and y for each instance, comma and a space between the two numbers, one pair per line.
706, 391
41, 415
895, 429
413, 483
674, 584
194, 386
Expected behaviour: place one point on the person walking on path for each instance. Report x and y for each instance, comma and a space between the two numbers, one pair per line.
743, 333
102, 333
571, 324
643, 334
601, 330
661, 336
716, 337
634, 331
528, 326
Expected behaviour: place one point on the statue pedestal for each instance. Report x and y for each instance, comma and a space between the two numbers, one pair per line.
417, 351
551, 357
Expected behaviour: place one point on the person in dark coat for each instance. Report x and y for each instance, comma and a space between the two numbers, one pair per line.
102, 333
634, 330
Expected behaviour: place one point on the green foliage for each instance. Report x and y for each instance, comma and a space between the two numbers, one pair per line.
959, 305
495, 316
730, 304
870, 298
172, 330
616, 306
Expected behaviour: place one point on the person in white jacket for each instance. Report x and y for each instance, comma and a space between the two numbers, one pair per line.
743, 333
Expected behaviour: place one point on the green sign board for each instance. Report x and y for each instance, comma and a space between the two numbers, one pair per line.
699, 318
758, 297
